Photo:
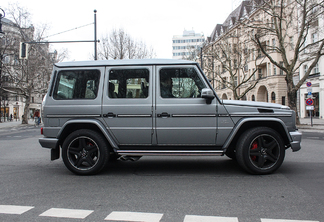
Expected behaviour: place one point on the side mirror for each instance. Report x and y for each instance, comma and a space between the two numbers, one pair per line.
207, 94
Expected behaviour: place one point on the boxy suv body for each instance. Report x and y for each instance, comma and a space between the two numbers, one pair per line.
97, 111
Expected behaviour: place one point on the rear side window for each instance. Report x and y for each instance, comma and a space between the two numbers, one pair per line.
128, 83
78, 84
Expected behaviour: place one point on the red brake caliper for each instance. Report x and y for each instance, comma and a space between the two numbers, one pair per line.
253, 147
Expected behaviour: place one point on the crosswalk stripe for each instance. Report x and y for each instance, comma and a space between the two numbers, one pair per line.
14, 209
196, 218
66, 213
281, 220
134, 216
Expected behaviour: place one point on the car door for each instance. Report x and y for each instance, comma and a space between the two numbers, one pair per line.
182, 116
127, 104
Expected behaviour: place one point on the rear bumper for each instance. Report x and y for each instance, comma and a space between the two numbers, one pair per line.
51, 143
296, 140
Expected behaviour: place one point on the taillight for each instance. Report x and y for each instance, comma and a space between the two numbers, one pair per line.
42, 130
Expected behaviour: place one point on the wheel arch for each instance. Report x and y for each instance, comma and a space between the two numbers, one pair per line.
94, 125
247, 123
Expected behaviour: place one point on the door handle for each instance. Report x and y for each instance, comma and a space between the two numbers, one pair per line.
163, 115
109, 115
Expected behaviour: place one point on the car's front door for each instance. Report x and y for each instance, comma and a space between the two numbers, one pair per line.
127, 104
182, 116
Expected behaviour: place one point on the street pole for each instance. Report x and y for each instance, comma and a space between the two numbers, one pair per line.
95, 34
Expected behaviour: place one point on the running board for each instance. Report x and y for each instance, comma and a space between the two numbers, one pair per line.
170, 152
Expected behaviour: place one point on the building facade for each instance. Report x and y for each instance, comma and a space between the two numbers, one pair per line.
22, 80
316, 77
187, 44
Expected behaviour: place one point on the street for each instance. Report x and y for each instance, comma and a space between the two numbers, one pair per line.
166, 189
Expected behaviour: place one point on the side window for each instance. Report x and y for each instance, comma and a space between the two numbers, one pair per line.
128, 83
180, 83
79, 84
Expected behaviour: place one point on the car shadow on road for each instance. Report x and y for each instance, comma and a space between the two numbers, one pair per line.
169, 166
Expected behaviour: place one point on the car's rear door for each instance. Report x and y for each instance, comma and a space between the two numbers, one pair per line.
127, 104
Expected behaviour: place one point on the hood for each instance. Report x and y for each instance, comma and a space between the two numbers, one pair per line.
254, 104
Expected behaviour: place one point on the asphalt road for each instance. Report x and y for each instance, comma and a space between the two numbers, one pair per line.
168, 188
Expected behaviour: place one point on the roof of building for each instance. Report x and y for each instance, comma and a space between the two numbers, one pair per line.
236, 15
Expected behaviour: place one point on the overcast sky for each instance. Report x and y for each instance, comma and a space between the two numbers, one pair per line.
154, 22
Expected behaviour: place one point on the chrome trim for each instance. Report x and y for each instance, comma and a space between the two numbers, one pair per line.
170, 152
261, 115
196, 115
132, 116
71, 116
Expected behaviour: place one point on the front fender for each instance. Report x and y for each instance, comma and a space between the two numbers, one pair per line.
253, 121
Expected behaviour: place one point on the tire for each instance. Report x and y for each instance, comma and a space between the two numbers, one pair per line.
260, 150
85, 152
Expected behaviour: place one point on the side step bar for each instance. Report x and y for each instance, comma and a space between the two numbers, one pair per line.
170, 152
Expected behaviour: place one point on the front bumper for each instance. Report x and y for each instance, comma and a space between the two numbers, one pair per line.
296, 140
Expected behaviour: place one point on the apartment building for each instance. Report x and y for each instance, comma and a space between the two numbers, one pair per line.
22, 79
235, 63
187, 44
316, 77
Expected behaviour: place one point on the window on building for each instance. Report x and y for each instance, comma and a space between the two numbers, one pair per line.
253, 97
280, 70
283, 100
291, 42
260, 74
273, 97
269, 69
274, 69
316, 69
314, 37
305, 69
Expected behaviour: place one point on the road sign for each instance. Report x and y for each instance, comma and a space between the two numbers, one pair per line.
309, 102
308, 84
309, 107
309, 94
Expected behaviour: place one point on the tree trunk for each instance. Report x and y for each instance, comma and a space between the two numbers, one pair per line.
26, 109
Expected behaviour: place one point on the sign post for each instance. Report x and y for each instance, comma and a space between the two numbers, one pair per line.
309, 101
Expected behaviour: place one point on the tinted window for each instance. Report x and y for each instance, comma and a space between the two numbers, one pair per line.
80, 84
180, 83
128, 83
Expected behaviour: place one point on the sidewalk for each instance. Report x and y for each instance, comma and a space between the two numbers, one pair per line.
14, 123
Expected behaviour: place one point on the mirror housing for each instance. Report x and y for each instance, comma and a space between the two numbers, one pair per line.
207, 94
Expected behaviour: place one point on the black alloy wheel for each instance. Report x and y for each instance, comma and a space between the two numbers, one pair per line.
85, 152
260, 150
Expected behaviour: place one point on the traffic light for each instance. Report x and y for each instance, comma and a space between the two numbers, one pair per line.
23, 53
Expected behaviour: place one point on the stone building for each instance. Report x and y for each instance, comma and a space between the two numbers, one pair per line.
22, 80
231, 58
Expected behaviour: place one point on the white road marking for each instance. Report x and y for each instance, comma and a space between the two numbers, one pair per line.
281, 220
14, 209
66, 213
134, 216
195, 218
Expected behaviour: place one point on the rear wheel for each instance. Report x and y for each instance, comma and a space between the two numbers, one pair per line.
260, 150
85, 152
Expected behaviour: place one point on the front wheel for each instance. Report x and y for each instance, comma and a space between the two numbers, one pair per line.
260, 150
85, 152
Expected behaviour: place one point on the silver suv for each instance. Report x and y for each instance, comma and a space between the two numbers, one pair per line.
98, 111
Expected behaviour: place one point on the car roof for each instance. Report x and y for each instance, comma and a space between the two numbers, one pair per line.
125, 62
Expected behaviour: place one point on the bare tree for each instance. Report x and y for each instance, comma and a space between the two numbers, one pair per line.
227, 64
29, 76
120, 45
293, 29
